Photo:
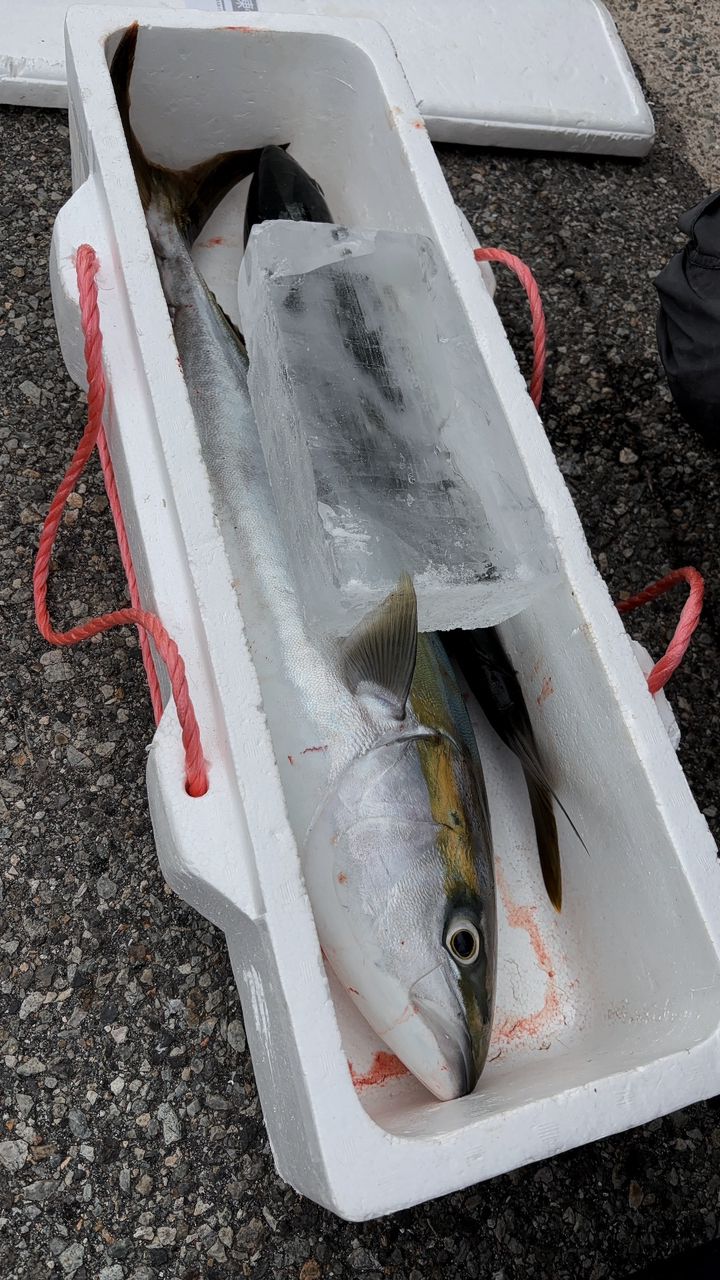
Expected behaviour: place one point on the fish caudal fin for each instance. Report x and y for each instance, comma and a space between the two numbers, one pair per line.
192, 194
381, 652
121, 69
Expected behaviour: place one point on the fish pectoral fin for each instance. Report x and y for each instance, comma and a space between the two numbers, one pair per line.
522, 743
382, 650
547, 838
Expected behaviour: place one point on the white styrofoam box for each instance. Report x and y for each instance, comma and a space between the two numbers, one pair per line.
600, 1024
548, 74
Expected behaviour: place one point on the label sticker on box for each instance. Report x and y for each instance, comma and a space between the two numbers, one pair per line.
225, 6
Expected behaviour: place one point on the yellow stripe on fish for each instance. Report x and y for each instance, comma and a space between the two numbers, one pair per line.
440, 758
439, 762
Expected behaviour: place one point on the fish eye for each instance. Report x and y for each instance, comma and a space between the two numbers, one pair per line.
463, 942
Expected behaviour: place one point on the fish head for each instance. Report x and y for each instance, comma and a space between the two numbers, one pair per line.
403, 919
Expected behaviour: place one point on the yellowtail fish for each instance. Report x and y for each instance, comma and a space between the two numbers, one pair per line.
399, 862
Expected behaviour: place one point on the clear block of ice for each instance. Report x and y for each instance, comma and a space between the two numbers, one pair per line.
376, 420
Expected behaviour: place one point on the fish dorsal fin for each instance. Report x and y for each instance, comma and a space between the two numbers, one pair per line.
381, 652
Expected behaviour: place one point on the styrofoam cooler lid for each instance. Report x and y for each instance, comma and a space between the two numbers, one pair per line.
545, 74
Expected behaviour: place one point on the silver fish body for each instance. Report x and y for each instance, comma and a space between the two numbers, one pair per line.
213, 359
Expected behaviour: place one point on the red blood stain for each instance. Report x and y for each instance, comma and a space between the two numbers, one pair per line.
249, 31
384, 1067
342, 878
307, 750
418, 124
547, 689
214, 240
539, 1023
291, 759
408, 1012
353, 991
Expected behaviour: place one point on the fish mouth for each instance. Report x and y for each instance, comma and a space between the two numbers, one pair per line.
435, 1042
454, 1074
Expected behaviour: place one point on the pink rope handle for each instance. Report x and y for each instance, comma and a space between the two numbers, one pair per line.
129, 567
539, 327
690, 616
196, 783
689, 619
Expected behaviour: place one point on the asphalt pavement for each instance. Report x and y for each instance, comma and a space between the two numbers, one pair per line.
133, 1143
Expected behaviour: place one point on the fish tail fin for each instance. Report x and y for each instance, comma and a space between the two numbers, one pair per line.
193, 194
121, 69
547, 838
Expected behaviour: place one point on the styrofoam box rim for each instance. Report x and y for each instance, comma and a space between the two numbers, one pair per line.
342, 1157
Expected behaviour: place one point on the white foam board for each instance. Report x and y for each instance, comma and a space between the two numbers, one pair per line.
549, 74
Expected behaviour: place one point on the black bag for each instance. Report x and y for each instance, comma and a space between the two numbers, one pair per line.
688, 328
